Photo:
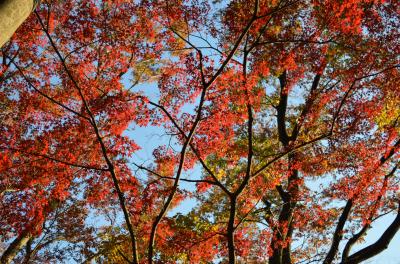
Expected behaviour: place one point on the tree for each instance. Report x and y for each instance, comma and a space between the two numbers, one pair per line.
282, 119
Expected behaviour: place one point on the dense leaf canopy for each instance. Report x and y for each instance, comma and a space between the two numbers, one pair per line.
278, 123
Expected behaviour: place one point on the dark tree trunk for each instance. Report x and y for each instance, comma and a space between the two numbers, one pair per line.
15, 247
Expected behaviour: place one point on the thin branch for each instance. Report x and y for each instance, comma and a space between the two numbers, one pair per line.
192, 146
173, 178
88, 167
46, 96
281, 155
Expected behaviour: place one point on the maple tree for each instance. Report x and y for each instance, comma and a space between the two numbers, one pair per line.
282, 119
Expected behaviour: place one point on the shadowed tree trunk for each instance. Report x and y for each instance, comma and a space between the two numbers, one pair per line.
12, 14
15, 247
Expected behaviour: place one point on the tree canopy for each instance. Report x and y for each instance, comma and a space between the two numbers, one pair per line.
278, 119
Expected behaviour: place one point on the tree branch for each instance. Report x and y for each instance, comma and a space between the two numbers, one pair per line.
370, 219
380, 245
337, 236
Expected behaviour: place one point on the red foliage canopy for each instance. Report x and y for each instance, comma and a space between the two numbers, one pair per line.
279, 123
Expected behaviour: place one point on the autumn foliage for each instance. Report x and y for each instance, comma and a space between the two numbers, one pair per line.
199, 131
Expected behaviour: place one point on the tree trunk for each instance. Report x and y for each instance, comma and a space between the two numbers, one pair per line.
231, 230
12, 14
15, 247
